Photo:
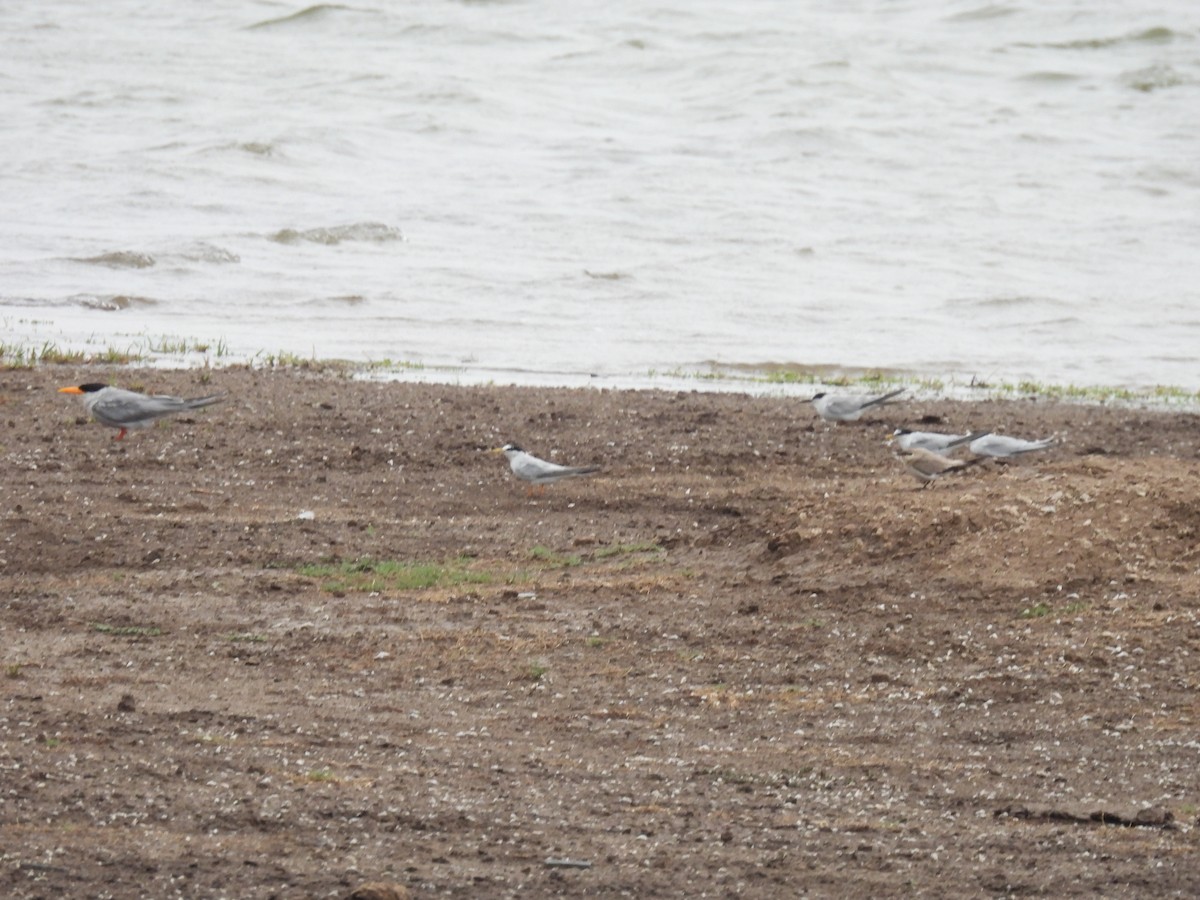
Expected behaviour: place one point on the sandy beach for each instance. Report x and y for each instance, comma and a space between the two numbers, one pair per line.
316, 637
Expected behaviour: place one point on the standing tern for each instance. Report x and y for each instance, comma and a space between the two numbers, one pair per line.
1002, 446
125, 410
847, 409
933, 441
927, 466
539, 472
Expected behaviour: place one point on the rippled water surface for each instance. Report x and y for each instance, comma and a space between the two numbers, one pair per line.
547, 190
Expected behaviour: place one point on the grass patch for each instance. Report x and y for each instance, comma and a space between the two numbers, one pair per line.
873, 379
556, 560
127, 630
366, 575
1042, 609
1082, 393
393, 365
26, 356
172, 345
285, 359
627, 549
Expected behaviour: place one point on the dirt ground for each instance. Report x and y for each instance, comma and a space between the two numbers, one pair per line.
315, 637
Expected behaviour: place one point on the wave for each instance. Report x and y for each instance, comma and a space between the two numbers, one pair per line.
360, 231
1009, 301
1049, 77
112, 302
343, 300
119, 259
606, 276
1154, 78
1148, 36
315, 13
983, 13
208, 253
256, 148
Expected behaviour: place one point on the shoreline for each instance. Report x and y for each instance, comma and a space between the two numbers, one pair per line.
764, 380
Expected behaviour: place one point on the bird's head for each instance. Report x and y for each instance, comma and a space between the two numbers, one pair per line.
89, 388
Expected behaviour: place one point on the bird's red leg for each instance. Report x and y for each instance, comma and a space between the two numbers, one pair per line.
120, 434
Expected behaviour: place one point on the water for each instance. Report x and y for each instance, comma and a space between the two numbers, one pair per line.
545, 192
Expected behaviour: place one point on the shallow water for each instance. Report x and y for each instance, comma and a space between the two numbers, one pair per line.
541, 193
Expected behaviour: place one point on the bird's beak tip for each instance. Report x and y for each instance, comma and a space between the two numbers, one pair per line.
74, 389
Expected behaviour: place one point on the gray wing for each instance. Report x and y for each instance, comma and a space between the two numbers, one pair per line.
126, 408
840, 407
201, 402
1002, 445
876, 401
933, 441
530, 468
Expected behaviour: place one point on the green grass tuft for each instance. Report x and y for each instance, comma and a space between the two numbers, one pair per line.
246, 638
367, 575
627, 549
127, 630
557, 560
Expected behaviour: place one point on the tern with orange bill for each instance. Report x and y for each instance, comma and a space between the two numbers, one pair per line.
128, 410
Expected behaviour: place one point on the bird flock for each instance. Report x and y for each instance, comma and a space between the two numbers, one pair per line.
927, 455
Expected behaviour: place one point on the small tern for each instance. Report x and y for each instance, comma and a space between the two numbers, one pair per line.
927, 466
539, 472
933, 441
125, 410
1002, 446
847, 409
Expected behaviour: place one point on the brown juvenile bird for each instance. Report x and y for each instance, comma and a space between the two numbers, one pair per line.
927, 466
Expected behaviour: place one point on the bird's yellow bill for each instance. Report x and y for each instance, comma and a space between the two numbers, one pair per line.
496, 450
73, 389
